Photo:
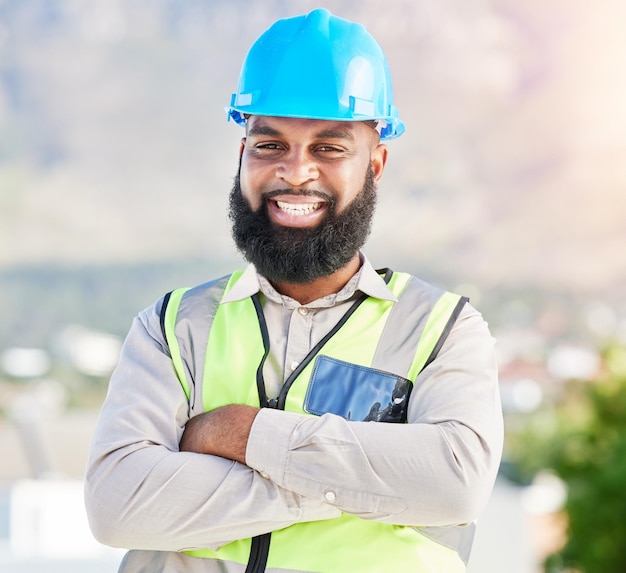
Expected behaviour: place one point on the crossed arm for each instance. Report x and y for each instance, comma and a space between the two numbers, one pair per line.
158, 480
222, 432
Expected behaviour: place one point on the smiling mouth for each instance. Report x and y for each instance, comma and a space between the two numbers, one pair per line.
298, 208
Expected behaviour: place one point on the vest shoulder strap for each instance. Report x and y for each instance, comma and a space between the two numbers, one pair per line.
440, 322
200, 304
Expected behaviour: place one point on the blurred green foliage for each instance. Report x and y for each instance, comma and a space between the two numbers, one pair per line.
582, 438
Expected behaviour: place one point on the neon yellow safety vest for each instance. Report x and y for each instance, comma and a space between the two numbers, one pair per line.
398, 339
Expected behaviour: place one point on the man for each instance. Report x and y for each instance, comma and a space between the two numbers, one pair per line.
308, 413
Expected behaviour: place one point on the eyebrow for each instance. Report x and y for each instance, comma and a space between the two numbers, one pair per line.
329, 133
336, 133
263, 130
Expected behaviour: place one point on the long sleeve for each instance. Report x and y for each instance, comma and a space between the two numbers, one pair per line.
142, 493
438, 469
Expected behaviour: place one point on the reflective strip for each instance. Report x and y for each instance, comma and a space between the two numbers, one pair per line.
400, 339
437, 322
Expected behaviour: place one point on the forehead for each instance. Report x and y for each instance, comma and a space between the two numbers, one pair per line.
312, 128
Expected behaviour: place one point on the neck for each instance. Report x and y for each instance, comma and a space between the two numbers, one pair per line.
324, 286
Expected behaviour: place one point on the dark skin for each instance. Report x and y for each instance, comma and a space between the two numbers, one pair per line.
299, 154
222, 432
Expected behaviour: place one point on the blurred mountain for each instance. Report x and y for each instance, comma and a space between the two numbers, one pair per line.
114, 146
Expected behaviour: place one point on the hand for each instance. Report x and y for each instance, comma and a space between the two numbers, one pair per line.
221, 432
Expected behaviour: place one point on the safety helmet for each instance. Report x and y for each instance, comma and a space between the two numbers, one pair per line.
317, 66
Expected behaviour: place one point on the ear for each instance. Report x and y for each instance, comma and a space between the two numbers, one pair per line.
242, 146
379, 160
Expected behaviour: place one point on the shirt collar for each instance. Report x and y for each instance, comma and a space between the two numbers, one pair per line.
245, 287
366, 280
372, 284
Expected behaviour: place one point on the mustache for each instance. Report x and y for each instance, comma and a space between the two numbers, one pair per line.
302, 193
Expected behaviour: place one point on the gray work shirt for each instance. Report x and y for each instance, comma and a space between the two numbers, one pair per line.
142, 493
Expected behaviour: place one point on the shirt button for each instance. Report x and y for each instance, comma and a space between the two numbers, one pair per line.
303, 311
293, 365
330, 496
265, 475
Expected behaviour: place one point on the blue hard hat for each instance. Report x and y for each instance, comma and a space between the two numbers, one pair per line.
317, 66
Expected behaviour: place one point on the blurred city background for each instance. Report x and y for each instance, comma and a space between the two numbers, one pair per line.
509, 186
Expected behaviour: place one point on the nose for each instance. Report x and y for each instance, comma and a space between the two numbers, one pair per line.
297, 168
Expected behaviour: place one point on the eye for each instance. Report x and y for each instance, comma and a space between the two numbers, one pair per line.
329, 150
267, 148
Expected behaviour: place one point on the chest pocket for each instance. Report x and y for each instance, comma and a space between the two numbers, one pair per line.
356, 392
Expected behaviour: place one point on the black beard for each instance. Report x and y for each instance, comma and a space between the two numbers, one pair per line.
295, 255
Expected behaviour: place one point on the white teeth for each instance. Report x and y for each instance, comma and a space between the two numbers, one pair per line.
293, 209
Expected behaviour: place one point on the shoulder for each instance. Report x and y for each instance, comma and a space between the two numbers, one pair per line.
184, 301
417, 292
191, 297
426, 295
